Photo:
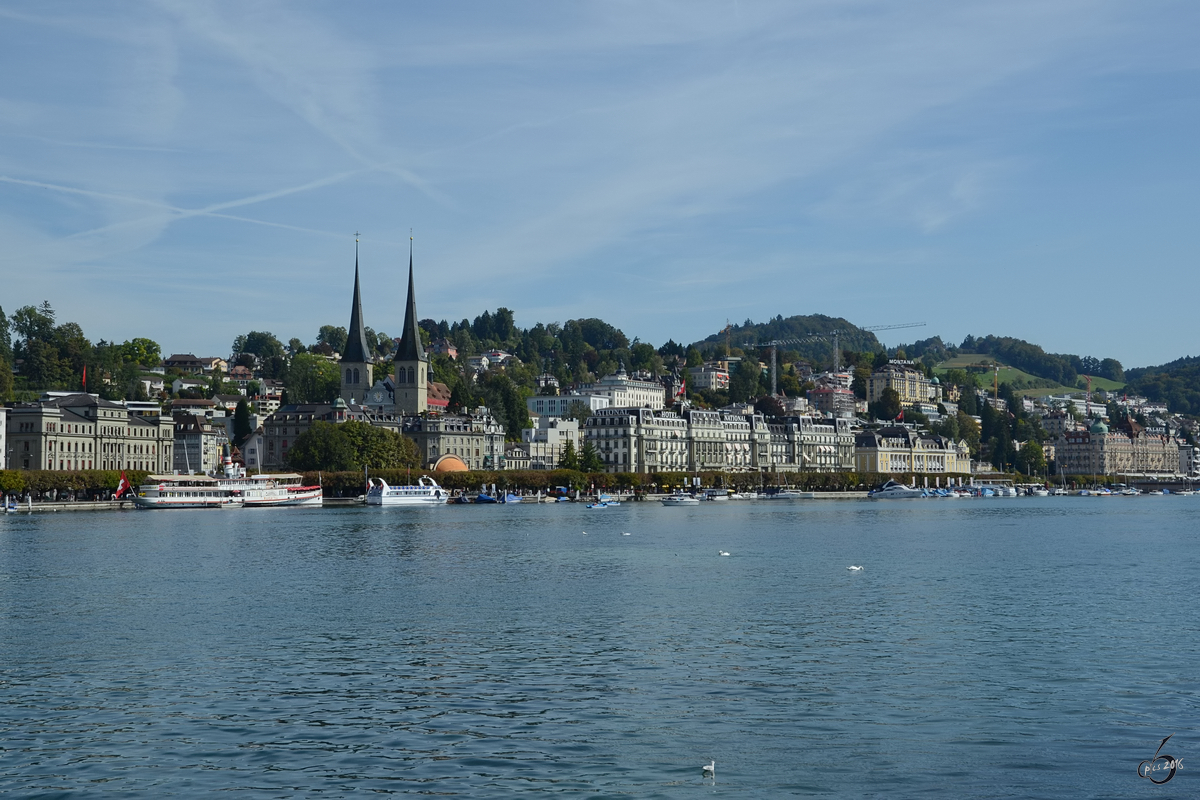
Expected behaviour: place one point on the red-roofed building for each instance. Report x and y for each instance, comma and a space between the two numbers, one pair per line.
439, 396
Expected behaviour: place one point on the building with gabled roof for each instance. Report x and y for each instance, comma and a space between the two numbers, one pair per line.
896, 449
83, 431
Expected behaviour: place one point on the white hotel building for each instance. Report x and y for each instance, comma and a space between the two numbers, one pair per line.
621, 391
647, 441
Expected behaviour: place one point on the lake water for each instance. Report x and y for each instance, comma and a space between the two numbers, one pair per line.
1026, 647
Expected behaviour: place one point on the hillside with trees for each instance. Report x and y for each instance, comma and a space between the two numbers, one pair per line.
38, 353
816, 351
1177, 384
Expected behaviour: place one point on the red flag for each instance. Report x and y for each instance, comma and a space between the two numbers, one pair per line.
682, 388
901, 417
123, 487
85, 377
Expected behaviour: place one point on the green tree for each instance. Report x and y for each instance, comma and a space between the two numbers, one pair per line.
216, 384
1111, 368
33, 324
1031, 459
887, 407
693, 358
579, 411
769, 407
333, 336
858, 384
145, 352
743, 383
589, 459
6, 379
261, 344
506, 401
379, 448
43, 369
241, 423
5, 338
947, 426
569, 458
789, 383
324, 446
313, 379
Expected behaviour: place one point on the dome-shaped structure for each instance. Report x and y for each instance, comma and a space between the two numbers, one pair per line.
1099, 427
451, 463
936, 381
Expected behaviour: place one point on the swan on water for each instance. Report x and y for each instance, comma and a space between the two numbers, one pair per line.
854, 568
722, 552
710, 767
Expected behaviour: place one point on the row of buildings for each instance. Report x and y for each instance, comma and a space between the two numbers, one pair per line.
78, 431
631, 421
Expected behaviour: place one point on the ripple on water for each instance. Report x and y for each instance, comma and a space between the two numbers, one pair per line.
1010, 648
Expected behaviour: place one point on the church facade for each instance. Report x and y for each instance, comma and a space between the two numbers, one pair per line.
403, 398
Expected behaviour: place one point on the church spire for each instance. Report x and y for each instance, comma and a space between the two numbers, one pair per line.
410, 348
356, 339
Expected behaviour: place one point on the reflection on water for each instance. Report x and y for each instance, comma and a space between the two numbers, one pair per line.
988, 648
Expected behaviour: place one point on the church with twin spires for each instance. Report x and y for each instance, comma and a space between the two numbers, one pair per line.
406, 401
406, 391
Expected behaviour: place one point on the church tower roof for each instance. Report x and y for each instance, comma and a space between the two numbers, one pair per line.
356, 338
410, 348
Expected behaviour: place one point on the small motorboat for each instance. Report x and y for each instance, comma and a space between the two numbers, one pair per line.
680, 499
893, 490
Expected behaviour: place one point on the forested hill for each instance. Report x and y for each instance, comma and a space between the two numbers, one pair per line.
1177, 384
819, 351
1062, 368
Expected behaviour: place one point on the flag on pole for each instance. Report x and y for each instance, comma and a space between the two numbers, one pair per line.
900, 417
682, 388
85, 377
123, 487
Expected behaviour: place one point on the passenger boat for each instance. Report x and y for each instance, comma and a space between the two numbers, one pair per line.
269, 491
186, 491
895, 491
680, 499
425, 493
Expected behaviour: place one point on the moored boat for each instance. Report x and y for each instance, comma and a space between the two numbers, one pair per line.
788, 494
185, 491
270, 490
426, 492
893, 490
680, 499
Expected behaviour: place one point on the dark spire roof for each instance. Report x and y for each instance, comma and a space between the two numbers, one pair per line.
410, 348
356, 340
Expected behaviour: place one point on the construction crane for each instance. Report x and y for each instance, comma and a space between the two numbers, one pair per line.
837, 352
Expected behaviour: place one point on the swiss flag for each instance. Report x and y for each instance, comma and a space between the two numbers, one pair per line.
901, 416
123, 487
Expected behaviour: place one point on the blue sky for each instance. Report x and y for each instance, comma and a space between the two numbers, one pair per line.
189, 171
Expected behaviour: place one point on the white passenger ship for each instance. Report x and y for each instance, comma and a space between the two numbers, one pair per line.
270, 490
234, 489
426, 492
185, 491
